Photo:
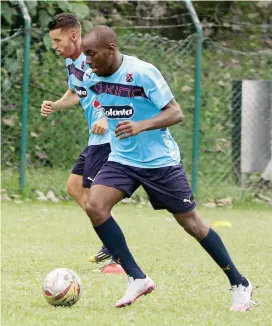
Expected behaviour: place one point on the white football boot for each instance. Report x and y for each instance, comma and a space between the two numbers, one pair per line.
135, 289
241, 297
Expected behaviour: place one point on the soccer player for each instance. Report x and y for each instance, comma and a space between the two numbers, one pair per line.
139, 107
65, 33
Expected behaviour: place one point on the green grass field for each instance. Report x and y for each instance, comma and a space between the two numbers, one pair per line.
191, 289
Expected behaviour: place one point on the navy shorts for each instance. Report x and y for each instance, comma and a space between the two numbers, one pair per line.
90, 162
167, 187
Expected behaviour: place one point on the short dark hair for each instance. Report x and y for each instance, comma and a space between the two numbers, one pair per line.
63, 21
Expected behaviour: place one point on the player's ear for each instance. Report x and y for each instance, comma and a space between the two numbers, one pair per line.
73, 36
111, 47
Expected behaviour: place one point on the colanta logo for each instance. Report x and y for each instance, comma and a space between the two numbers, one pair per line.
118, 112
81, 91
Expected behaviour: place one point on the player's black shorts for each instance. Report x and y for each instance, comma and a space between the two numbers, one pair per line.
167, 187
90, 162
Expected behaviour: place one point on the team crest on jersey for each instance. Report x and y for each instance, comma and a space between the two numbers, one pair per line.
82, 65
129, 78
97, 105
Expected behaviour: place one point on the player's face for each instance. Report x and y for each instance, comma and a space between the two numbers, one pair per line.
99, 58
63, 41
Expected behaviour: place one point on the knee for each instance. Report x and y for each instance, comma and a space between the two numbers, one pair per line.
70, 189
74, 189
96, 212
194, 225
193, 228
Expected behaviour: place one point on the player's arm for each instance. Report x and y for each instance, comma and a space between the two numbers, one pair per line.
159, 93
170, 115
68, 100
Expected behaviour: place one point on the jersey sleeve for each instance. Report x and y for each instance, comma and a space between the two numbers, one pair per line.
70, 79
70, 82
156, 87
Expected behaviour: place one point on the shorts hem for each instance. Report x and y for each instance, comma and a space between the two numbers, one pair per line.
76, 173
86, 186
189, 209
127, 195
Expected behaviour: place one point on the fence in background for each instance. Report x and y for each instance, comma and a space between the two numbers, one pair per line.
55, 142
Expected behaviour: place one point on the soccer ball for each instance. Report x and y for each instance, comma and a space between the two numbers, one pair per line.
62, 287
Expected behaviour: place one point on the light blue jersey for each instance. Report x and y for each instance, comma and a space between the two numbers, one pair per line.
136, 91
76, 70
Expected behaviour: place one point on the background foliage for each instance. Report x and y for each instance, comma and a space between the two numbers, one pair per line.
236, 46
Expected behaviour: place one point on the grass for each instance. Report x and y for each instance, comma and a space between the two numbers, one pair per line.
191, 290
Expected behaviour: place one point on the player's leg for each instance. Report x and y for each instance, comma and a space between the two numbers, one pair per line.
76, 191
171, 191
241, 288
78, 186
95, 158
111, 185
75, 180
193, 224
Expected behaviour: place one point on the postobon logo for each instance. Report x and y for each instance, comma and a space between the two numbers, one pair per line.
81, 91
118, 112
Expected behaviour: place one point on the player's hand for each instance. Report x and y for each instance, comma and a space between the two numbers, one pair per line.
100, 127
127, 129
46, 108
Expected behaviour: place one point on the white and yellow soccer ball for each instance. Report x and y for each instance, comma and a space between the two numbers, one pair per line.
62, 287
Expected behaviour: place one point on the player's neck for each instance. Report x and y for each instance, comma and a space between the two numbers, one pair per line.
76, 54
116, 63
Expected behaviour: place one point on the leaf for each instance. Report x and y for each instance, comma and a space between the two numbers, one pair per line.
6, 12
99, 20
63, 5
79, 9
51, 10
263, 4
86, 25
44, 18
47, 42
6, 85
12, 65
31, 5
